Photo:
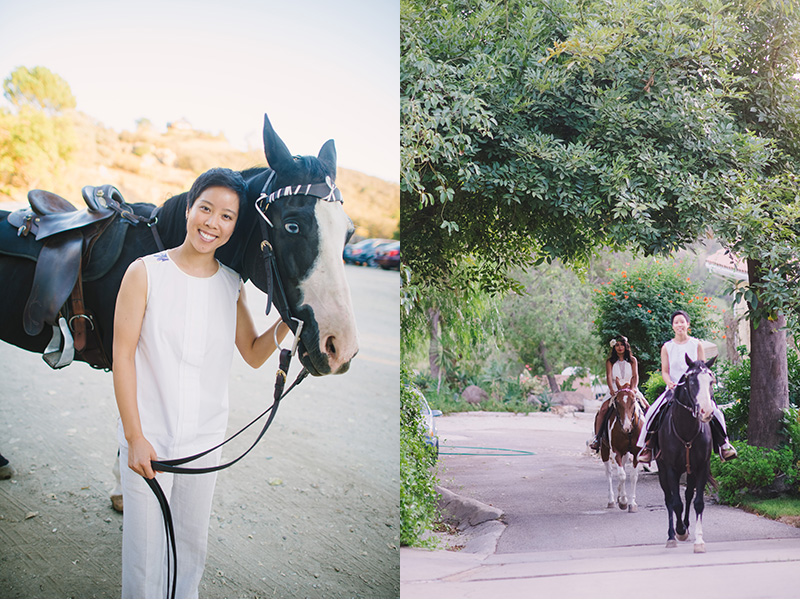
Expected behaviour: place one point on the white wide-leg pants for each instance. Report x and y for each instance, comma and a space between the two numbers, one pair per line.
144, 539
651, 412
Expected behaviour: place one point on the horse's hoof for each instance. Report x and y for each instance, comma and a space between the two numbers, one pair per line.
623, 506
699, 548
7, 471
683, 536
116, 502
633, 508
610, 505
672, 544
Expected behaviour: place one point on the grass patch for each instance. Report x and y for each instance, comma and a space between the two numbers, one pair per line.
773, 508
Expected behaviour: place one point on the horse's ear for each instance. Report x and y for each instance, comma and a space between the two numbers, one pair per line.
710, 361
278, 155
327, 156
689, 361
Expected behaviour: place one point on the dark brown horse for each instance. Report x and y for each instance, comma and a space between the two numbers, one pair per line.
624, 425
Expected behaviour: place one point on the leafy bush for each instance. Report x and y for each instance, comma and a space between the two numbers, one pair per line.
734, 388
654, 386
418, 497
638, 304
755, 472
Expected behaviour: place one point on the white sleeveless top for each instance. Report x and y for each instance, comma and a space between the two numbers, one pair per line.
623, 371
677, 360
184, 356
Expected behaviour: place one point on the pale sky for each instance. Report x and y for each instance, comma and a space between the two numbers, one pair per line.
320, 69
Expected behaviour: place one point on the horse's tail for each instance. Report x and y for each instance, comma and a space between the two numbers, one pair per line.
712, 482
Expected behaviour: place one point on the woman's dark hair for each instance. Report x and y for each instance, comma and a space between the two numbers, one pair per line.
679, 312
218, 177
627, 355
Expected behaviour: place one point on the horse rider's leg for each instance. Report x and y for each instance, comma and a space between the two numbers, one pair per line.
116, 493
609, 475
652, 418
699, 504
719, 434
6, 470
600, 422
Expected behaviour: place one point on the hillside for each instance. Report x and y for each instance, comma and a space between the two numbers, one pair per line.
149, 166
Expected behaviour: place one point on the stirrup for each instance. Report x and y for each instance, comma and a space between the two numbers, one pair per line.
53, 355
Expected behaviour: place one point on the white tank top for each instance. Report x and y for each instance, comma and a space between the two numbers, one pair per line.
184, 356
677, 360
623, 371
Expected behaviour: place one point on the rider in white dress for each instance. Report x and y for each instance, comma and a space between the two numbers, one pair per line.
673, 367
622, 371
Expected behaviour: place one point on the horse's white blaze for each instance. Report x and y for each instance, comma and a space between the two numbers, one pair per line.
326, 290
704, 398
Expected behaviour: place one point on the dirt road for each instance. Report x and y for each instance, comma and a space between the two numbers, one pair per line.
311, 512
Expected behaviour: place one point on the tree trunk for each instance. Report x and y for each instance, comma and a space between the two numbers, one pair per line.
434, 316
551, 379
769, 376
731, 324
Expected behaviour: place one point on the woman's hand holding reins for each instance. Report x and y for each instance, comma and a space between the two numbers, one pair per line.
140, 453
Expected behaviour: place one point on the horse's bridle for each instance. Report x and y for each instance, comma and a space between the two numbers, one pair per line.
324, 191
695, 411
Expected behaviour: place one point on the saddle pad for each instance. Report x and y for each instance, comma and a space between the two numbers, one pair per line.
105, 252
13, 245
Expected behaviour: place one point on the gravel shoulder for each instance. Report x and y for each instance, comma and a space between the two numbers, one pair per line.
313, 511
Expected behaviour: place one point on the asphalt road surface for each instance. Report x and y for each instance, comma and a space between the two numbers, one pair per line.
313, 511
555, 498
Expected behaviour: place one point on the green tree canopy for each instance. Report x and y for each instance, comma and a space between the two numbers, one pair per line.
539, 130
38, 87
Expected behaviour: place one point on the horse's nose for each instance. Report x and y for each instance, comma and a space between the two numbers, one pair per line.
339, 355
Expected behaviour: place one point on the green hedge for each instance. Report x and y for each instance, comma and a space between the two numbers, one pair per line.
418, 497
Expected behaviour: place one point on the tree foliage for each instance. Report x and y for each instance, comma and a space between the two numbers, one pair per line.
36, 138
40, 88
533, 131
555, 128
552, 313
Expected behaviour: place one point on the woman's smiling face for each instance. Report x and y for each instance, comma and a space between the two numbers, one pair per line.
212, 218
680, 324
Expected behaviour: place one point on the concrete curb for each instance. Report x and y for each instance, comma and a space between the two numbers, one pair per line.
479, 524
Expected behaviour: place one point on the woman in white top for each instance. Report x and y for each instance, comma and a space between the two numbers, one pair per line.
622, 371
179, 314
673, 367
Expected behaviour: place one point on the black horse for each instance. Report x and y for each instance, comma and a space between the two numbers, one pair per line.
299, 209
685, 441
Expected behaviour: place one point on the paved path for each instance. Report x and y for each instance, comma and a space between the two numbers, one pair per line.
560, 540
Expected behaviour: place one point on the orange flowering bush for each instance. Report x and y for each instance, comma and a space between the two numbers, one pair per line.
642, 311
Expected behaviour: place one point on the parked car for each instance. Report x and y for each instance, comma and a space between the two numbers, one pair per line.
363, 252
388, 255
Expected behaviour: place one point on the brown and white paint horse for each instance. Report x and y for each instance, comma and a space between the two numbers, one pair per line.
624, 425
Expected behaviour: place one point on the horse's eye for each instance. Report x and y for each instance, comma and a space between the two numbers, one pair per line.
292, 227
